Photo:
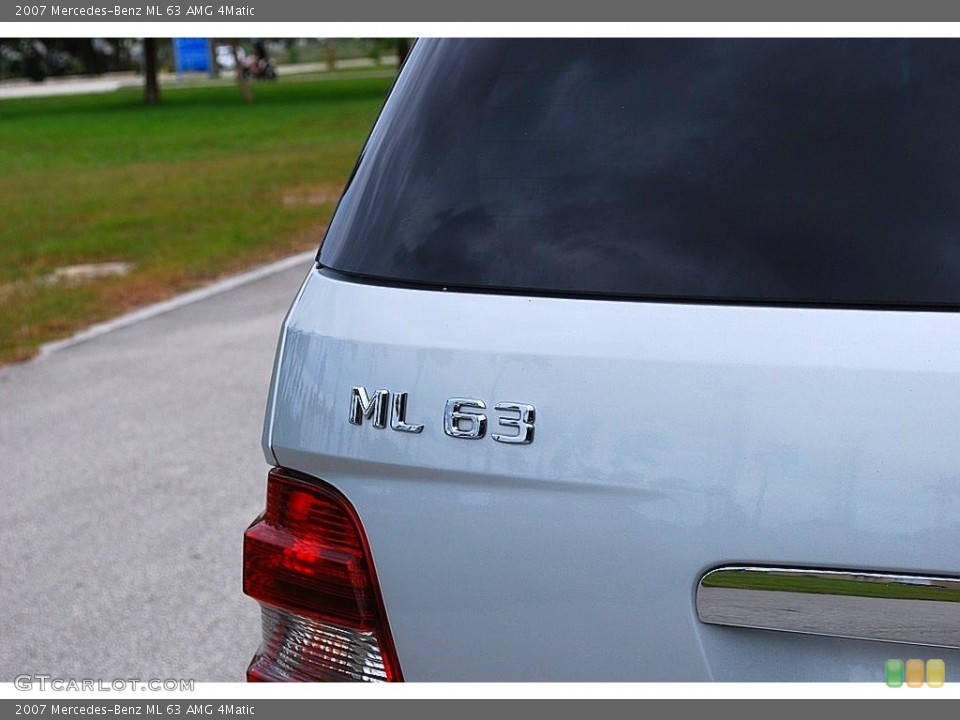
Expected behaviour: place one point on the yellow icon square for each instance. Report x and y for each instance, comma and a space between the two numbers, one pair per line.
914, 673
936, 673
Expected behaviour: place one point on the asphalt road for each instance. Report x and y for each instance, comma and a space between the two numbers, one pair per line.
131, 467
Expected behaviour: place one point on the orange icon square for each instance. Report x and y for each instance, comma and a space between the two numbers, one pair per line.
914, 673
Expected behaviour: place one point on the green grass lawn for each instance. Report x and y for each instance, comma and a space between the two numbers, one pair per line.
200, 186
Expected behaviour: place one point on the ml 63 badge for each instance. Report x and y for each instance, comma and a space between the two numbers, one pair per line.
462, 417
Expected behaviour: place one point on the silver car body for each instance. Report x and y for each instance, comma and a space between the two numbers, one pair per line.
715, 284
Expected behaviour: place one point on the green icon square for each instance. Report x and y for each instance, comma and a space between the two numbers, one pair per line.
894, 673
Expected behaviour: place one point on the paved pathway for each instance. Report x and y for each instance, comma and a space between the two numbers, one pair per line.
131, 467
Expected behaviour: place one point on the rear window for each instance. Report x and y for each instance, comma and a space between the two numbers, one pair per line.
779, 171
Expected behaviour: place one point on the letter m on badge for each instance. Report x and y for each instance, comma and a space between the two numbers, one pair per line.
363, 406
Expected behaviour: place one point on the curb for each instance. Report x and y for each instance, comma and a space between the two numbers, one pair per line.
188, 298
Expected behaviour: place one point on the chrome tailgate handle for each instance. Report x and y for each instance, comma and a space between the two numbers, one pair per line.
914, 609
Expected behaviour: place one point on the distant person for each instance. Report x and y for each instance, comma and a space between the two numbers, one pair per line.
259, 66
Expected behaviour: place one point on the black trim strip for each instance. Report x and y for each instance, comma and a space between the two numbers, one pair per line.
677, 300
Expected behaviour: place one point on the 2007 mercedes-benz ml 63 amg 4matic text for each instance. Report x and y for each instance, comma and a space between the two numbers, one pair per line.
627, 360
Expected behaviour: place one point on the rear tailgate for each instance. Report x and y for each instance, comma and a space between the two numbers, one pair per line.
670, 439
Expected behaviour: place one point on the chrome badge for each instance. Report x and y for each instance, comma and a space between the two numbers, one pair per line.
462, 417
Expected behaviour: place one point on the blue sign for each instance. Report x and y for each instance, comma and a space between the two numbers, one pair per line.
191, 55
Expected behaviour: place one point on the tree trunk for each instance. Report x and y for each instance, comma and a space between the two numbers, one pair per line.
212, 58
403, 49
330, 51
151, 88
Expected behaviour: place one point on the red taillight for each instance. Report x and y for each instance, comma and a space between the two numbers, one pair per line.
306, 560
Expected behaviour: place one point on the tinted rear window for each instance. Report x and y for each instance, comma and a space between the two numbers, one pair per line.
797, 171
